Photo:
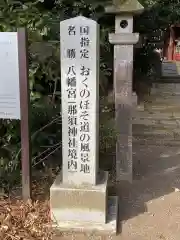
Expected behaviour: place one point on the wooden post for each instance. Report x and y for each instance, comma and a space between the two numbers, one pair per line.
123, 41
24, 107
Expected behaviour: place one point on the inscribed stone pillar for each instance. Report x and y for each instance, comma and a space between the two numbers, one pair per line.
80, 87
79, 198
123, 40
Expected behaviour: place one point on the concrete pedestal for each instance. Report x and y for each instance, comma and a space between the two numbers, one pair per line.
83, 208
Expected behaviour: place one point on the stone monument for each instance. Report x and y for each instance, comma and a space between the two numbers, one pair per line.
79, 198
123, 40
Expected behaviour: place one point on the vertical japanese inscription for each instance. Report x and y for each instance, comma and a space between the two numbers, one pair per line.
79, 99
72, 119
71, 83
85, 95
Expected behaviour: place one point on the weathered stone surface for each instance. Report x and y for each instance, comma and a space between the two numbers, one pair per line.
169, 124
170, 69
123, 39
154, 116
128, 6
92, 227
158, 132
165, 88
79, 203
80, 99
78, 197
124, 110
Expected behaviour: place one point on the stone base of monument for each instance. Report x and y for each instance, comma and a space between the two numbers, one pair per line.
83, 208
109, 228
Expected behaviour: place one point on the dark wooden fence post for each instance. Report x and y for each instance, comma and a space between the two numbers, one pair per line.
24, 106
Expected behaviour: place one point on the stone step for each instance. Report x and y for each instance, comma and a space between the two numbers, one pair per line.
158, 134
166, 99
156, 116
160, 109
169, 73
159, 105
155, 123
156, 112
163, 105
169, 80
169, 111
159, 123
142, 130
170, 68
165, 89
170, 116
155, 142
164, 95
173, 66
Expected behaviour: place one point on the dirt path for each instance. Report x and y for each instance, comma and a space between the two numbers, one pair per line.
150, 207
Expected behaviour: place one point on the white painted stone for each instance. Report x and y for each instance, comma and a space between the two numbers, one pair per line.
79, 61
9, 76
79, 200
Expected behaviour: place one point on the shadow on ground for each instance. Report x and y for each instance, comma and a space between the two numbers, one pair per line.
156, 174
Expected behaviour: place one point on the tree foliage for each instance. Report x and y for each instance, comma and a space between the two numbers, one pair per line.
42, 21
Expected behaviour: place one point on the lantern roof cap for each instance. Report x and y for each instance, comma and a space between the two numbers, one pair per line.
125, 6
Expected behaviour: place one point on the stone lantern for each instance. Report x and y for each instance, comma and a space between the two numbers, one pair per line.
124, 40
